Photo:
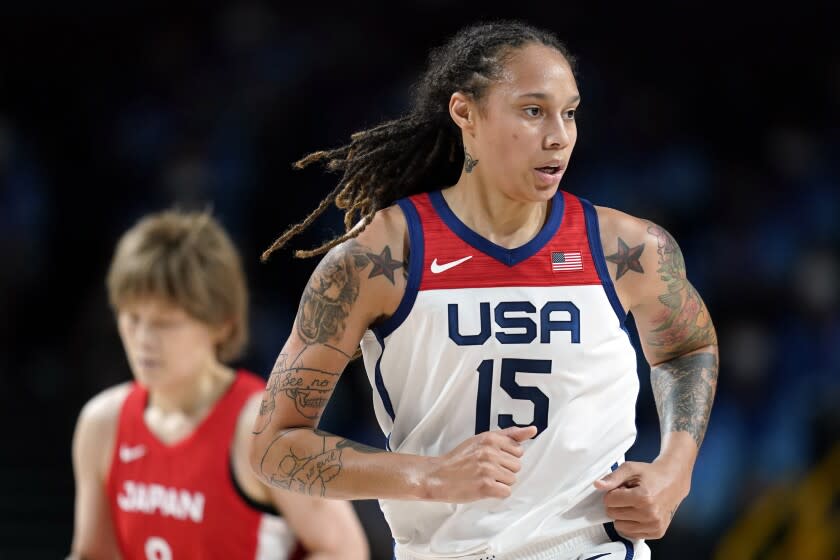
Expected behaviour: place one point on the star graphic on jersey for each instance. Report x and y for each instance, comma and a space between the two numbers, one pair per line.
383, 264
627, 258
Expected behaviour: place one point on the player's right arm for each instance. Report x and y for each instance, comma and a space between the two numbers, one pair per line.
93, 441
356, 284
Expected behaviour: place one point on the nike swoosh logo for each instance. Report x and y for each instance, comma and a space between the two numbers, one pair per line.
129, 454
438, 268
598, 556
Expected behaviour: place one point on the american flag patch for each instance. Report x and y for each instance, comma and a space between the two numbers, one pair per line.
566, 260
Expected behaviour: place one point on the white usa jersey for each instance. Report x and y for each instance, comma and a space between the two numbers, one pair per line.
486, 338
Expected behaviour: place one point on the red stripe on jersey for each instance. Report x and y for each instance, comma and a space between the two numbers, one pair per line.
443, 247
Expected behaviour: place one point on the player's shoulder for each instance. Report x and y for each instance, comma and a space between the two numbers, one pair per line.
96, 429
104, 408
614, 224
383, 242
387, 228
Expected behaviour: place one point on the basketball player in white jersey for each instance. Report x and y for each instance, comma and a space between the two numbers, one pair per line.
489, 306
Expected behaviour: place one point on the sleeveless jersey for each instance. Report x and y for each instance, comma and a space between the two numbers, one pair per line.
180, 501
487, 337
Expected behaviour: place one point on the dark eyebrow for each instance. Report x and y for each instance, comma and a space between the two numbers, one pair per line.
544, 96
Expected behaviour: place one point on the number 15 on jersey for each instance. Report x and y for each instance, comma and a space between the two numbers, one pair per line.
507, 381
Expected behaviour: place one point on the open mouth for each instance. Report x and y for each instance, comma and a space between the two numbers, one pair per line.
550, 170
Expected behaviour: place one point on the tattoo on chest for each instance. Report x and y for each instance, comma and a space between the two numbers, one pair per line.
627, 258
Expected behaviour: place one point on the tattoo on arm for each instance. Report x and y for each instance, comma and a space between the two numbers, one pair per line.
627, 258
684, 389
309, 388
684, 323
334, 288
306, 472
383, 264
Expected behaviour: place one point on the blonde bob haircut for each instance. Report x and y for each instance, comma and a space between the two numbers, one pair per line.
185, 259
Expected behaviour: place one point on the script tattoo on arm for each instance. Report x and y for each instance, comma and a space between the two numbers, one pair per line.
306, 472
309, 388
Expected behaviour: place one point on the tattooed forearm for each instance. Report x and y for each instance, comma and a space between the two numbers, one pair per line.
684, 389
684, 323
300, 470
334, 287
306, 466
627, 258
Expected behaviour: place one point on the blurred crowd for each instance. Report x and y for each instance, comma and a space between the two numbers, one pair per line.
733, 145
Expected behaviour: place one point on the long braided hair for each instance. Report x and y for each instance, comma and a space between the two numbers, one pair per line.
422, 150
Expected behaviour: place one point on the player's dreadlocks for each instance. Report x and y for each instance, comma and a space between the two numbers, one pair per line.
423, 150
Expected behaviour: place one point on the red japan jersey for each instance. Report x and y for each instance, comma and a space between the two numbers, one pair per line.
180, 501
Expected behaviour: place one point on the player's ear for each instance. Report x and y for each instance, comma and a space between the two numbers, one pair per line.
462, 109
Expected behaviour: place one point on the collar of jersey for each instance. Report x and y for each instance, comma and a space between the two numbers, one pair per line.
509, 257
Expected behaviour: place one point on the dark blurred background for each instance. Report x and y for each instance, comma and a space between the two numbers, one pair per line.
719, 123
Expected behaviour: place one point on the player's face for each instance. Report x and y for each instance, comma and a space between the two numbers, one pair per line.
165, 346
526, 130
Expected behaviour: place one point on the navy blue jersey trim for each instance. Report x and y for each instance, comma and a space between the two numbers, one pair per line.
509, 257
380, 383
415, 271
615, 537
593, 232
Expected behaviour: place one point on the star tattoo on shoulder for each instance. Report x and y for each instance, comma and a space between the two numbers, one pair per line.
627, 258
384, 265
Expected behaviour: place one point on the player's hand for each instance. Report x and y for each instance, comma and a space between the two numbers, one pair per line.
484, 466
643, 497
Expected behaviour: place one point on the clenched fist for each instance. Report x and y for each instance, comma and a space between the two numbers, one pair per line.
483, 466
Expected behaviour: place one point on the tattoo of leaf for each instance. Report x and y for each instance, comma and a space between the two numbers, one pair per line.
469, 162
684, 389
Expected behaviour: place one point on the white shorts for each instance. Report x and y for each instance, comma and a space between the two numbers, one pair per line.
600, 542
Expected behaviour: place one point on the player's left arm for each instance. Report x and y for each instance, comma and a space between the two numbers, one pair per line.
680, 344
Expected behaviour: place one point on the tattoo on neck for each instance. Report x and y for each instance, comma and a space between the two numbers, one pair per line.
684, 389
469, 162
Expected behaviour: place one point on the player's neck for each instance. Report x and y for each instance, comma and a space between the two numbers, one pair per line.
493, 215
195, 395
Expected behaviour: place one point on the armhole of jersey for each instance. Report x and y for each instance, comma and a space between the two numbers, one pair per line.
593, 232
249, 501
110, 483
415, 271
